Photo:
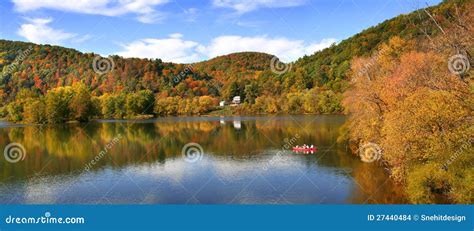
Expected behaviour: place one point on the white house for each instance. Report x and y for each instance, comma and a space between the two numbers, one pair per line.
222, 103
236, 100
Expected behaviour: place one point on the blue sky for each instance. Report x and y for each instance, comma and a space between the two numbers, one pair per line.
188, 31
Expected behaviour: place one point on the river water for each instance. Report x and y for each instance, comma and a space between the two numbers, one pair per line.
188, 160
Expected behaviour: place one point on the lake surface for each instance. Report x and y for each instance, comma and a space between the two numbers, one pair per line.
226, 160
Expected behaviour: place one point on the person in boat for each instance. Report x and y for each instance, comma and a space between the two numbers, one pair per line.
312, 146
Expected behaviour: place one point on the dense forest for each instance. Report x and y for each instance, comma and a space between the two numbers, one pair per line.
313, 84
411, 104
406, 85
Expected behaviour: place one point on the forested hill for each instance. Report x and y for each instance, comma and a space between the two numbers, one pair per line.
43, 67
330, 65
235, 66
313, 84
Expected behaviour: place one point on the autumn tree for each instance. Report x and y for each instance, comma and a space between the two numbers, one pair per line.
420, 114
57, 104
81, 103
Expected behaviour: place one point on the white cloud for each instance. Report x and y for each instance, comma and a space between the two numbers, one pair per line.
38, 31
285, 49
144, 9
172, 49
177, 49
244, 6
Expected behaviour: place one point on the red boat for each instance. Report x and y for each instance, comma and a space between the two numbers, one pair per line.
300, 149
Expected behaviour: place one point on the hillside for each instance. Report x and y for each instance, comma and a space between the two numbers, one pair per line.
236, 65
43, 67
329, 67
313, 84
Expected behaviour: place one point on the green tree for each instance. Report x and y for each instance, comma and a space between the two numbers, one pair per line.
81, 103
140, 103
107, 106
311, 100
35, 111
233, 90
57, 104
251, 93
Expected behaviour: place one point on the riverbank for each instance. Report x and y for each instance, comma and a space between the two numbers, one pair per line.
239, 110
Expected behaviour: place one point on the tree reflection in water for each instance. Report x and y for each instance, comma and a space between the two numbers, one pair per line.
146, 165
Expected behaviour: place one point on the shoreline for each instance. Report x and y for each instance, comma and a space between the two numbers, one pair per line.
148, 118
